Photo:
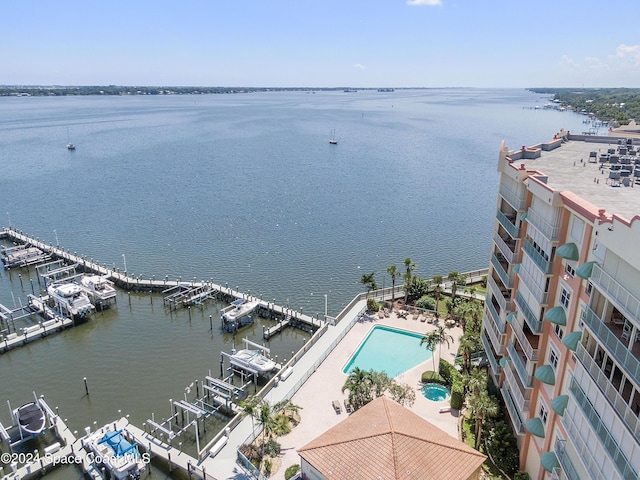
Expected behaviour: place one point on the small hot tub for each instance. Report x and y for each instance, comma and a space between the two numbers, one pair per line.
435, 392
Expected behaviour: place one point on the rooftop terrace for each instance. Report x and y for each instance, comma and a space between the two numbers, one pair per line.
605, 171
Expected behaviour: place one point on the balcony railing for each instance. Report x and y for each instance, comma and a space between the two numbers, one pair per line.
497, 339
518, 202
626, 300
583, 447
538, 292
541, 262
565, 461
502, 273
508, 253
534, 324
497, 293
543, 226
529, 350
495, 366
513, 411
607, 440
619, 350
521, 395
521, 368
623, 409
500, 323
508, 225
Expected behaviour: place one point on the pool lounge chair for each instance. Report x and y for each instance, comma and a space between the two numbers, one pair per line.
336, 407
347, 406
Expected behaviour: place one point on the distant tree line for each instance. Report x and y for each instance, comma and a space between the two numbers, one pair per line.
616, 105
43, 91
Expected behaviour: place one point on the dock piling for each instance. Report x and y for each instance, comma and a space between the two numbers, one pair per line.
86, 386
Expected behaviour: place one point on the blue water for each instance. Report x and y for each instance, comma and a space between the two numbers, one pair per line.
388, 350
435, 392
245, 188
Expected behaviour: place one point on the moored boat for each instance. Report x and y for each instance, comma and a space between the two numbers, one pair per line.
71, 299
252, 360
111, 449
238, 309
100, 290
31, 418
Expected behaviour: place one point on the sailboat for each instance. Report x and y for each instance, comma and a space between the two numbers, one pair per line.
332, 138
70, 145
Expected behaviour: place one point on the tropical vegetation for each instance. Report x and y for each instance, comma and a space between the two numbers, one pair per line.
366, 385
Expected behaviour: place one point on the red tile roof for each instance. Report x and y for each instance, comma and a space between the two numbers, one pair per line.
385, 440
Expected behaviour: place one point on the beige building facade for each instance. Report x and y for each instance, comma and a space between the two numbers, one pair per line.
561, 323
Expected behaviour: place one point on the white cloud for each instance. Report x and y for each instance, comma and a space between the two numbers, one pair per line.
429, 3
629, 52
359, 66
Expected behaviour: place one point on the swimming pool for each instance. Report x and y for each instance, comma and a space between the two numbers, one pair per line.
388, 350
435, 392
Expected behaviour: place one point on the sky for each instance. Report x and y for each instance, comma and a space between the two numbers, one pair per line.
321, 43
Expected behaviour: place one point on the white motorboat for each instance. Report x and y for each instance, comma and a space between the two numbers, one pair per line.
120, 457
31, 418
101, 290
237, 310
71, 298
252, 360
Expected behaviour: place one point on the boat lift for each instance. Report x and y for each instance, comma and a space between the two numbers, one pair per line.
56, 270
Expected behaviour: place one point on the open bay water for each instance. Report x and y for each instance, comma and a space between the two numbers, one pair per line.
246, 190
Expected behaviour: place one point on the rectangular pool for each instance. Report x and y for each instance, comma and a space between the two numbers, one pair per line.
388, 350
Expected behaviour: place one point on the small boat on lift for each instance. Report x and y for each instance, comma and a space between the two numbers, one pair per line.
101, 290
238, 309
31, 418
71, 299
252, 358
121, 458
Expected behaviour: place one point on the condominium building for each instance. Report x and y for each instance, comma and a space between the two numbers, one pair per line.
561, 323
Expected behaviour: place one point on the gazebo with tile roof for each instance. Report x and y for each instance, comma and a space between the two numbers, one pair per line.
384, 440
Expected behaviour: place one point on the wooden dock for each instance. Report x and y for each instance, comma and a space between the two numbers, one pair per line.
177, 292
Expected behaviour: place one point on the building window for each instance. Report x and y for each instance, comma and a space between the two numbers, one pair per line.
589, 287
543, 413
559, 331
570, 270
553, 357
565, 297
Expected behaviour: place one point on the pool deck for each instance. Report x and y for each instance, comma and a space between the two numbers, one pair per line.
316, 395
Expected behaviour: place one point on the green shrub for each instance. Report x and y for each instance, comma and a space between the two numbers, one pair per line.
272, 448
372, 305
291, 471
502, 445
449, 372
522, 476
457, 395
432, 377
426, 302
417, 287
267, 466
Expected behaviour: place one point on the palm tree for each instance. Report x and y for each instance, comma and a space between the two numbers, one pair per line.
369, 281
249, 407
443, 337
482, 406
393, 271
438, 280
470, 343
454, 278
360, 385
410, 266
475, 380
431, 341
